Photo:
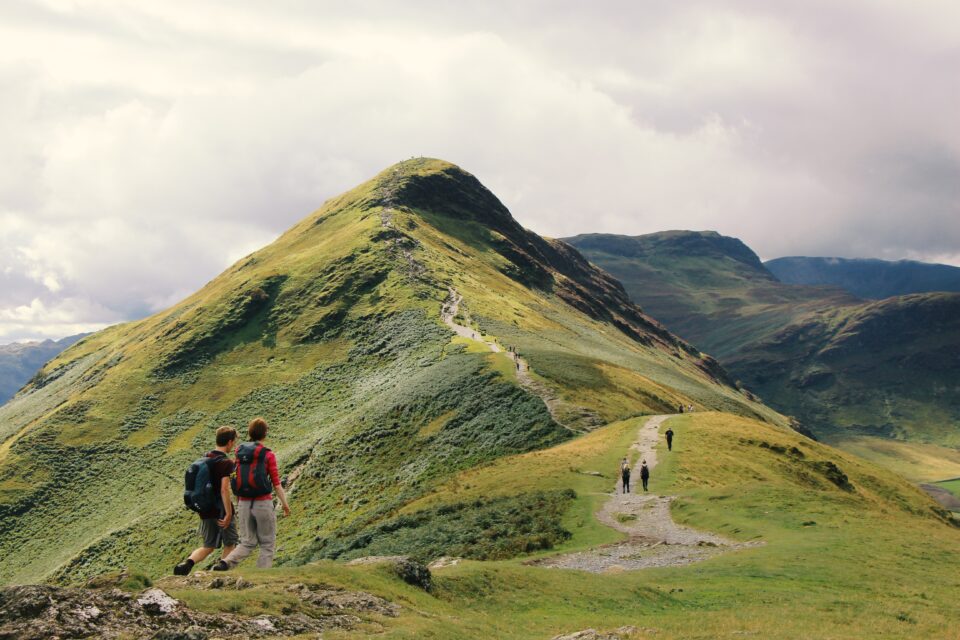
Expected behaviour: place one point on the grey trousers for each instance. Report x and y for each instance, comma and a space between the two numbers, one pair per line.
258, 526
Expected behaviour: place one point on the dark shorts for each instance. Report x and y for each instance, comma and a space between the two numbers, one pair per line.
214, 537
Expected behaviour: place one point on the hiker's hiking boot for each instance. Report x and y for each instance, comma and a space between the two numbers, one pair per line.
221, 566
183, 568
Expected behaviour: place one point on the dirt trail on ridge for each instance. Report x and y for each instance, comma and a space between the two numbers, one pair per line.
655, 540
449, 311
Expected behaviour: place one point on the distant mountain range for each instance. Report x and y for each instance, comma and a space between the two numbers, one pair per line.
19, 362
867, 278
842, 365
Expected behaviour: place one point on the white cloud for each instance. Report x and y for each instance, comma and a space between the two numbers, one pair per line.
146, 148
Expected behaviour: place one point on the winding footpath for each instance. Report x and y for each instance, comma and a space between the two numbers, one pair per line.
449, 311
655, 540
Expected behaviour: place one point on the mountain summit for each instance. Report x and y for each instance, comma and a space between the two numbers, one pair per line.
375, 336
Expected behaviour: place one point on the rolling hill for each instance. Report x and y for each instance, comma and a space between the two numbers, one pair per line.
867, 278
20, 361
848, 369
371, 336
334, 334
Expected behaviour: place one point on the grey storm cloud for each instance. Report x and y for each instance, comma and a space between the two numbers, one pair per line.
147, 147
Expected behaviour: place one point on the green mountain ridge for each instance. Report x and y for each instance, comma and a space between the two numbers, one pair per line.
867, 278
398, 436
842, 366
333, 334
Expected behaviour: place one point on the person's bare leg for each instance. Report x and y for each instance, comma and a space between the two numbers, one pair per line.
200, 554
227, 551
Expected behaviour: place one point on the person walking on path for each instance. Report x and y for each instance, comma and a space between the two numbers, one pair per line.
680, 408
256, 472
669, 435
217, 526
644, 474
625, 475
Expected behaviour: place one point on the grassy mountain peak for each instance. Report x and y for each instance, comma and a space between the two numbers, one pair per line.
333, 333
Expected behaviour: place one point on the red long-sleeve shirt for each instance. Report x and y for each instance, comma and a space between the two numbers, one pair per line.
274, 476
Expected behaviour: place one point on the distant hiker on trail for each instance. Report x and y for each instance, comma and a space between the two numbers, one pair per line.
680, 409
669, 435
644, 474
256, 472
212, 501
518, 365
625, 475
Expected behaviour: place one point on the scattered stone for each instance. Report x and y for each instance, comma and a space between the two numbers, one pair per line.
42, 612
157, 603
410, 571
443, 562
229, 582
265, 623
88, 613
192, 633
336, 600
414, 573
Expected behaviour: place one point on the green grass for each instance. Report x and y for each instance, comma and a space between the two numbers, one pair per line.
587, 466
333, 334
914, 461
953, 486
846, 563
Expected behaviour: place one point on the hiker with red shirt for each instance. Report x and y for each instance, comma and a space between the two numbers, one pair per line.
256, 480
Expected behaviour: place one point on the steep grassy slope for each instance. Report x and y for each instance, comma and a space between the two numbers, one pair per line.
876, 279
333, 334
20, 361
709, 289
842, 366
889, 369
851, 551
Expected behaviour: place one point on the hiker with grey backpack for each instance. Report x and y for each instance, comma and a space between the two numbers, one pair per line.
255, 483
207, 492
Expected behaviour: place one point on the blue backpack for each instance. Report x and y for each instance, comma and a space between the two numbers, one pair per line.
199, 494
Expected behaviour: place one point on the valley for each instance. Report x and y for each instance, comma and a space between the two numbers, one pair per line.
876, 377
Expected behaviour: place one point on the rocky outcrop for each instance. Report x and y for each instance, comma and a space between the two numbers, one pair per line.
408, 570
41, 612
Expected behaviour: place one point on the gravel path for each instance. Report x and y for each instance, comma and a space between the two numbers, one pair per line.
554, 404
655, 540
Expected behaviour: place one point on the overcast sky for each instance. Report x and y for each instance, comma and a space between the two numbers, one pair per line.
146, 148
